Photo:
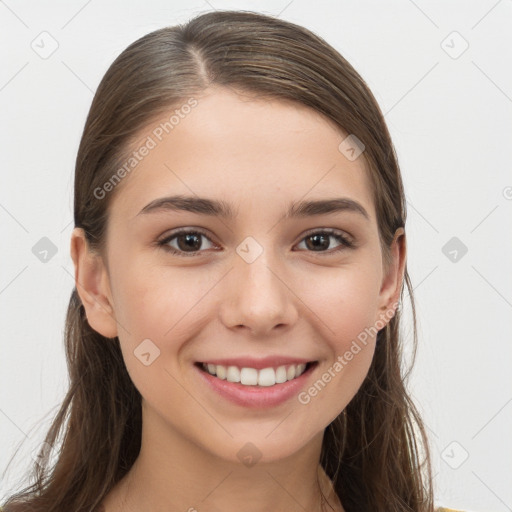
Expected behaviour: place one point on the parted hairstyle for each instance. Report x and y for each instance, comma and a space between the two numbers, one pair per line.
376, 451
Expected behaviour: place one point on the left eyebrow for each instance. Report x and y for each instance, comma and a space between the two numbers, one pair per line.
326, 206
213, 207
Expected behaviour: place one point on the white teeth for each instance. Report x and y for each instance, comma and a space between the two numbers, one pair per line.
233, 374
248, 376
281, 375
252, 377
220, 371
266, 377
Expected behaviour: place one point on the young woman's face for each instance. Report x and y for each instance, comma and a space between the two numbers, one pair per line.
258, 285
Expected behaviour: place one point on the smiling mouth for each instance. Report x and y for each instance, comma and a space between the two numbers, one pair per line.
265, 377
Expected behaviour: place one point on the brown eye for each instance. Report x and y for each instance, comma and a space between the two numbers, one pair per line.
188, 242
320, 241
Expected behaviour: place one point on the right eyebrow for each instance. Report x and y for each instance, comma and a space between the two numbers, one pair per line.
200, 205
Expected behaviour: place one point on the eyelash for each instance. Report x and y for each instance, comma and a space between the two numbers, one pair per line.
346, 243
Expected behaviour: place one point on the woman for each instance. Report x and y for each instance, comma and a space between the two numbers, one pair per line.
259, 365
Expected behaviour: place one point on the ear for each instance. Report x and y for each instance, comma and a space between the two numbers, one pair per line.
389, 294
92, 284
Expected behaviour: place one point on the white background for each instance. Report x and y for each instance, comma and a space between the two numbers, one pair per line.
450, 120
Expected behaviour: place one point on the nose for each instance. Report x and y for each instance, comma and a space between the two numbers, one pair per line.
258, 296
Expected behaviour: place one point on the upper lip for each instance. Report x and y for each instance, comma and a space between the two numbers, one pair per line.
258, 364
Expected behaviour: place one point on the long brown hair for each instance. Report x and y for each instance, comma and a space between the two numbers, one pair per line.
376, 451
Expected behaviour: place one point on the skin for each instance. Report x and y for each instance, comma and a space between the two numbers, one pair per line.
259, 156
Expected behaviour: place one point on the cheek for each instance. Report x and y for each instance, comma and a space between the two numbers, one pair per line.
152, 307
166, 306
345, 300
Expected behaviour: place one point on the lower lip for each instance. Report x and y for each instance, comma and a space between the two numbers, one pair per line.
256, 396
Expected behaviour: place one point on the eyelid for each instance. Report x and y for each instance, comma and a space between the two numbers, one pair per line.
330, 231
183, 230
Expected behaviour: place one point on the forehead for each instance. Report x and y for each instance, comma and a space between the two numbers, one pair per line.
248, 151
